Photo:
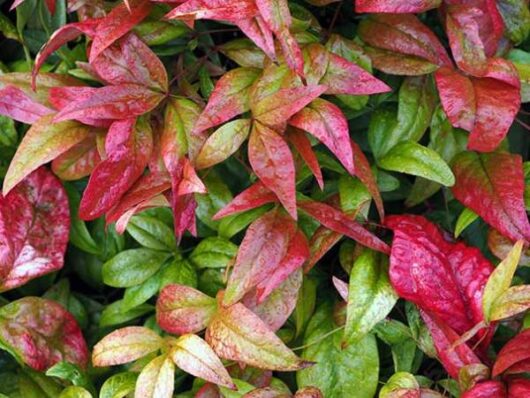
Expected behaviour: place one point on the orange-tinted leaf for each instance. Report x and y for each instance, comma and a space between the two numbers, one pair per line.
309, 392
14, 103
78, 161
255, 196
302, 144
500, 246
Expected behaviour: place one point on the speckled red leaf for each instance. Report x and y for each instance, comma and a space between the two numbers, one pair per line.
117, 23
444, 338
128, 146
421, 261
487, 389
232, 11
492, 185
272, 161
484, 106
181, 309
258, 31
14, 103
41, 333
184, 207
337, 221
302, 144
112, 102
125, 217
254, 196
514, 356
34, 227
395, 6
326, 122
131, 61
518, 388
320, 243
78, 161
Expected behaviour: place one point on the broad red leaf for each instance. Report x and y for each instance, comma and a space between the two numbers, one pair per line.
444, 338
272, 161
395, 6
271, 250
518, 388
41, 332
112, 102
514, 356
14, 103
484, 106
259, 32
131, 61
492, 185
339, 222
181, 309
326, 122
487, 389
302, 144
232, 11
422, 261
78, 161
117, 23
254, 196
34, 227
128, 146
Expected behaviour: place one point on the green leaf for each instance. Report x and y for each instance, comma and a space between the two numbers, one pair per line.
412, 158
218, 197
338, 371
179, 272
75, 392
465, 219
119, 385
231, 225
516, 16
139, 294
151, 233
132, 267
70, 372
113, 314
214, 252
397, 383
305, 304
8, 29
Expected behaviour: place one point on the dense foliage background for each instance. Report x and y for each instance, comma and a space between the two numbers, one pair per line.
264, 198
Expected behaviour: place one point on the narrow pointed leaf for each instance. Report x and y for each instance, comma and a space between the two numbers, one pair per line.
254, 196
302, 144
513, 357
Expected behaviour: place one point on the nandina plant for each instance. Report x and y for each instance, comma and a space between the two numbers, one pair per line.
264, 198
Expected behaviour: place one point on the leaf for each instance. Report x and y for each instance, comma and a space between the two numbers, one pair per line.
118, 385
421, 261
34, 225
128, 146
492, 185
299, 140
213, 9
15, 104
78, 161
255, 196
395, 6
125, 345
516, 19
236, 333
518, 388
151, 233
338, 371
370, 297
513, 357
181, 309
224, 142
75, 392
272, 161
213, 252
157, 379
43, 142
193, 355
68, 371
500, 246
512, 302
401, 384
487, 389
113, 314
40, 333
465, 219
500, 280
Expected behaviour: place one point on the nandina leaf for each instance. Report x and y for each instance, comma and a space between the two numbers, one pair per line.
153, 202
337, 221
14, 103
125, 345
236, 333
321, 242
302, 144
184, 207
492, 186
512, 302
41, 332
225, 141
128, 146
181, 309
401, 44
34, 226
275, 109
272, 161
452, 355
130, 60
401, 385
193, 355
78, 161
112, 102
326, 122
258, 31
309, 392
518, 388
500, 246
117, 23
214, 9
395, 6
487, 389
229, 98
514, 356
157, 379
421, 261
255, 196
485, 106
43, 142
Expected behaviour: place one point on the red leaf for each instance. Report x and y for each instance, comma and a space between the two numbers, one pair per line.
395, 6
422, 261
117, 23
487, 389
112, 102
326, 122
233, 10
272, 161
128, 146
484, 106
41, 332
492, 185
257, 30
34, 227
514, 356
254, 196
14, 103
339, 222
518, 388
321, 242
302, 144
78, 161
184, 215
452, 358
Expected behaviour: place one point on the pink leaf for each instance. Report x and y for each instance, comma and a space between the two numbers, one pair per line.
302, 144
395, 6
514, 356
254, 196
14, 103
